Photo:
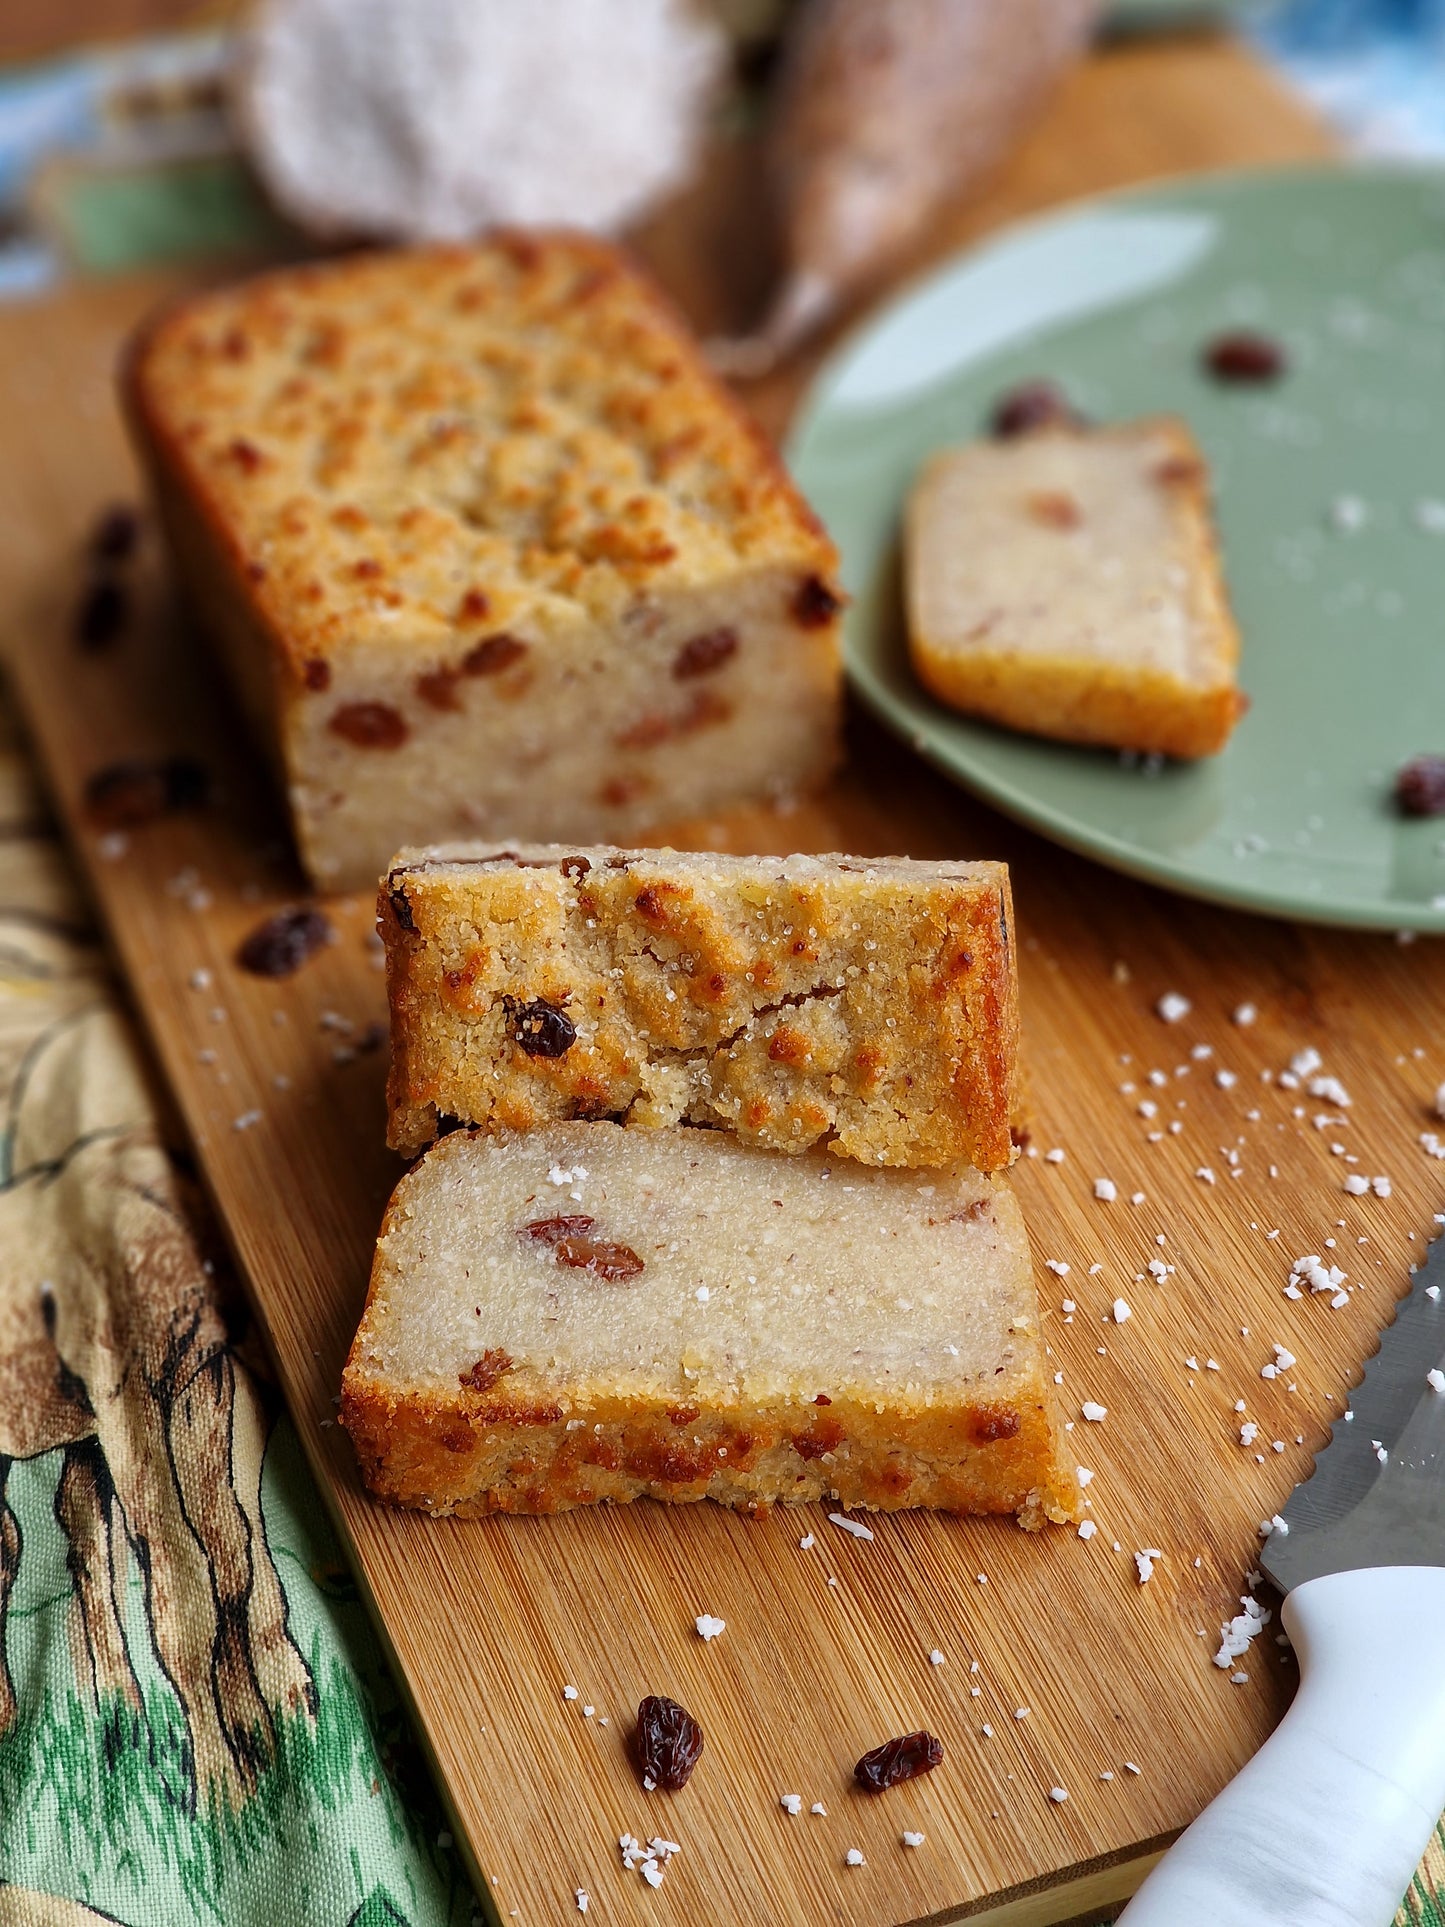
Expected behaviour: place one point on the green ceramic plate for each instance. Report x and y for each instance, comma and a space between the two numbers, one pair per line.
1330, 489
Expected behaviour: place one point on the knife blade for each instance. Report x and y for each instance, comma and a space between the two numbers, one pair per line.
1325, 1825
1376, 1496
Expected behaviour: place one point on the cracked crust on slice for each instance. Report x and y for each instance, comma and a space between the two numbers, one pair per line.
869, 1004
584, 1313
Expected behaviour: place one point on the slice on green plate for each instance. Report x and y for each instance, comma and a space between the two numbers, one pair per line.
1330, 494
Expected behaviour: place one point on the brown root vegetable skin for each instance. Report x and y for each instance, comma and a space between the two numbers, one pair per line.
886, 110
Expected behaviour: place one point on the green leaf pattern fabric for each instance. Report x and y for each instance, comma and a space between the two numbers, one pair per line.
196, 1724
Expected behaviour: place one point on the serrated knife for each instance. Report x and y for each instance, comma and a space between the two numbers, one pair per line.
1326, 1824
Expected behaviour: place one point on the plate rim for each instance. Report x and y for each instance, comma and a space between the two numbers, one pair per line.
911, 718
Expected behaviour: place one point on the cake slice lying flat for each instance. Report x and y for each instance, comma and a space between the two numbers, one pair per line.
587, 1313
797, 999
1067, 583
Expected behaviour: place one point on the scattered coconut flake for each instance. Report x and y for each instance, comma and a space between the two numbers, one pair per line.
791, 1803
855, 1526
1205, 1175
1356, 1185
1084, 1475
852, 1858
807, 1542
1056, 1265
1106, 1190
708, 1627
1121, 1311
1144, 1563
569, 1692
1129, 1767
1381, 1187
1058, 1795
583, 1900
1226, 1080
818, 1808
1381, 1451
935, 1658
1348, 514
1248, 1432
1093, 1412
1331, 1089
1087, 1529
1055, 1156
912, 1839
1237, 1635
1172, 1007
1244, 1015
1305, 1063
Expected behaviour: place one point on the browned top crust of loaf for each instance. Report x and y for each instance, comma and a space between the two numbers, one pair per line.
436, 441
866, 1003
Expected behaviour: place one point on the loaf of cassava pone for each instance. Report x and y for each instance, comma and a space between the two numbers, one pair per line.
869, 1005
1067, 583
486, 549
588, 1313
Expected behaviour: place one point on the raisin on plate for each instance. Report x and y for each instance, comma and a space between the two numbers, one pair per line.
1420, 787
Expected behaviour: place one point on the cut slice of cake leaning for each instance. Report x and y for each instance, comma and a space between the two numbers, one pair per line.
1067, 583
587, 1313
866, 1004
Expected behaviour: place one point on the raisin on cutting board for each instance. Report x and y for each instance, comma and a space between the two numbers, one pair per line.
667, 1743
898, 1760
101, 614
279, 946
124, 795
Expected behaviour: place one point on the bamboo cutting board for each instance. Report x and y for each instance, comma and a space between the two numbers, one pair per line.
827, 1648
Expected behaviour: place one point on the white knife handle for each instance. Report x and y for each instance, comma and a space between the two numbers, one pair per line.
1326, 1824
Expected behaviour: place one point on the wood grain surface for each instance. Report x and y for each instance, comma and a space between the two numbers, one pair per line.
827, 1648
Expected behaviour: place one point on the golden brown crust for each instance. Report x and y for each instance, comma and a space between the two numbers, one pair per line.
824, 998
1073, 702
1085, 698
523, 419
514, 1451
